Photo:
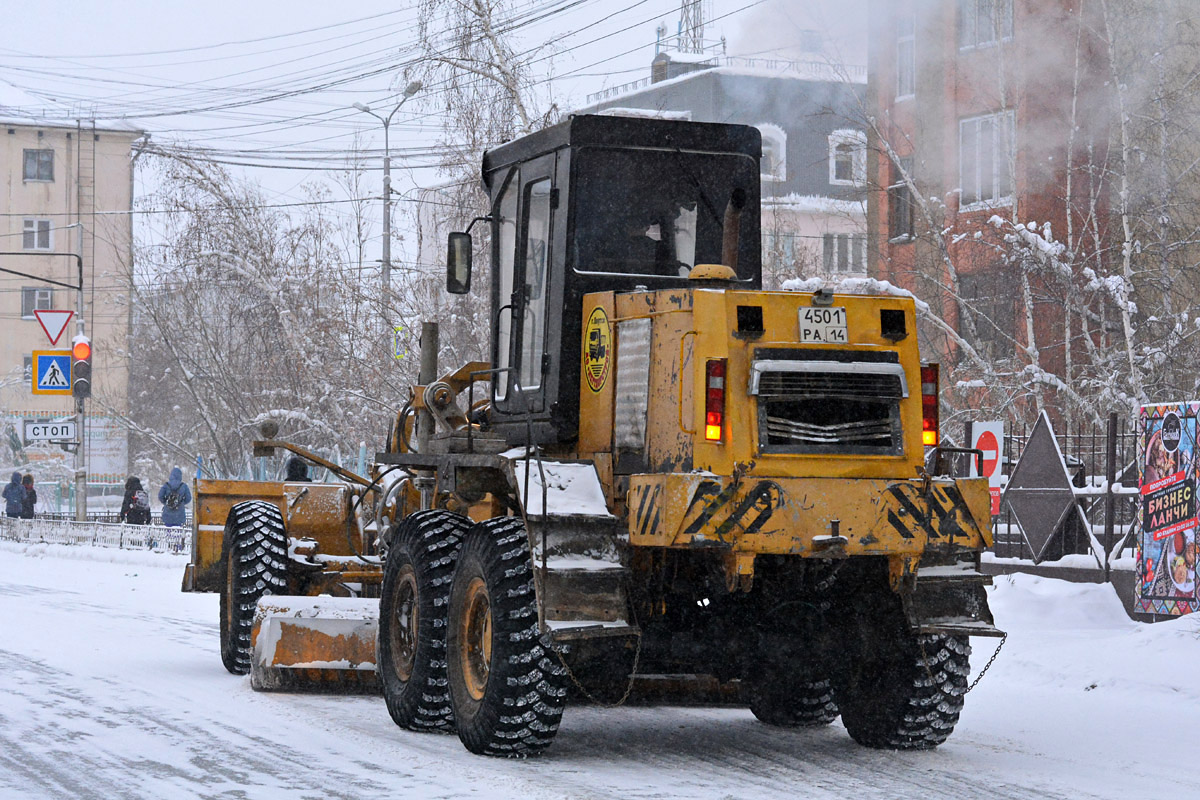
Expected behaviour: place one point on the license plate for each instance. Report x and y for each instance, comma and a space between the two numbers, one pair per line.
823, 325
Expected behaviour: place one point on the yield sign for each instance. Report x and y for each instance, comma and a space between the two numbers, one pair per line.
53, 322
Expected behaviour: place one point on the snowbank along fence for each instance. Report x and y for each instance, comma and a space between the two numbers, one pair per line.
96, 534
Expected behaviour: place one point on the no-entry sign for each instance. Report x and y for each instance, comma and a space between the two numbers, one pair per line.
989, 437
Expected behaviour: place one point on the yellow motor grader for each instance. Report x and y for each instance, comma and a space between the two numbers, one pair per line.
665, 470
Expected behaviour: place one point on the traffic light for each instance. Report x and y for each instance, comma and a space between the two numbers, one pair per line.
81, 366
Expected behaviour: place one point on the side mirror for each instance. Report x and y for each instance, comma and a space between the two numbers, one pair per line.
458, 263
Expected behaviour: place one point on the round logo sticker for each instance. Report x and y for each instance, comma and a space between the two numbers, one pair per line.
1172, 432
597, 343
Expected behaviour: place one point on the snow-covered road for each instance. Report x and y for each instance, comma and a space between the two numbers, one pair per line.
113, 688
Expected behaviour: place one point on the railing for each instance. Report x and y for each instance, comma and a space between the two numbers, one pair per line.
97, 534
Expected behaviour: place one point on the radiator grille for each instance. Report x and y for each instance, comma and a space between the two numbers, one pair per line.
810, 406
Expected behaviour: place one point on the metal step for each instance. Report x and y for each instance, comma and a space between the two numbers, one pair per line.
585, 629
573, 592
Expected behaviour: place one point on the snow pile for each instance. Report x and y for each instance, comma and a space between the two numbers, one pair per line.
85, 552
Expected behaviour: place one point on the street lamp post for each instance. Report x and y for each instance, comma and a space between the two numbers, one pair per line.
409, 91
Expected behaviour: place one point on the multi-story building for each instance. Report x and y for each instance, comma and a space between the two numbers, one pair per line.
988, 118
65, 189
814, 168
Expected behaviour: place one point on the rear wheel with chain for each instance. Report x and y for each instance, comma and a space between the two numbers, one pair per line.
906, 690
788, 686
507, 688
780, 700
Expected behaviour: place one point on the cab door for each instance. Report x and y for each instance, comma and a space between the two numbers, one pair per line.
523, 285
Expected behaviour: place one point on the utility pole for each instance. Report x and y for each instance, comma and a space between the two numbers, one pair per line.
80, 417
409, 91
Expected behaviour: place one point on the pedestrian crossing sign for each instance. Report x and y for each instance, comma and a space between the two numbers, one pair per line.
51, 371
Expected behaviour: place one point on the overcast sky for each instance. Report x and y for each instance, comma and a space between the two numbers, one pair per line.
205, 72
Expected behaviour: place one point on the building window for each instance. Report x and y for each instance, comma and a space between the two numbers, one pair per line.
990, 298
35, 234
900, 203
774, 153
35, 298
984, 22
844, 252
985, 159
779, 248
906, 56
847, 158
39, 165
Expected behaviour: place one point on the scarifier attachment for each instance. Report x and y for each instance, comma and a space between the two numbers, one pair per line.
323, 643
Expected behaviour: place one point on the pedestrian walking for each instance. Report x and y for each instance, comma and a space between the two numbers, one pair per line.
14, 496
30, 500
135, 506
174, 496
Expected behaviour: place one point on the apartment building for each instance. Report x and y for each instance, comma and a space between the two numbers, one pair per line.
66, 190
987, 114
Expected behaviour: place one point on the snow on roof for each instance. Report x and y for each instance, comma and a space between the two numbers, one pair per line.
816, 204
19, 107
866, 286
679, 57
783, 70
645, 113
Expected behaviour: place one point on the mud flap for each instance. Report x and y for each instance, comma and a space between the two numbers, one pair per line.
952, 601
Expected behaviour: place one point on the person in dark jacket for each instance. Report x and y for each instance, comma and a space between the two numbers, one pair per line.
135, 509
174, 496
14, 496
30, 501
297, 470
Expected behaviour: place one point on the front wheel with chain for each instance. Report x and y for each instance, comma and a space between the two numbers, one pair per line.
507, 688
254, 556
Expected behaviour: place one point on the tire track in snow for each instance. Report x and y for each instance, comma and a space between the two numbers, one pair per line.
59, 740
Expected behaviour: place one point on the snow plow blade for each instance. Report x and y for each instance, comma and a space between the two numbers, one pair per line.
324, 644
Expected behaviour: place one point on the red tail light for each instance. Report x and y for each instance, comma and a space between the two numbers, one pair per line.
929, 405
714, 399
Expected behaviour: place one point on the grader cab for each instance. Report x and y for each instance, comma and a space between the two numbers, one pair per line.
670, 471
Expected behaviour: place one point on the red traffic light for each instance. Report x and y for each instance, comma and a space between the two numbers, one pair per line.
82, 349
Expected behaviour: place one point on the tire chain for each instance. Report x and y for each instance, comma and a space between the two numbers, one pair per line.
437, 535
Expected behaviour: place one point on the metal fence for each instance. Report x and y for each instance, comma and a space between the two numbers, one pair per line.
1092, 453
97, 534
